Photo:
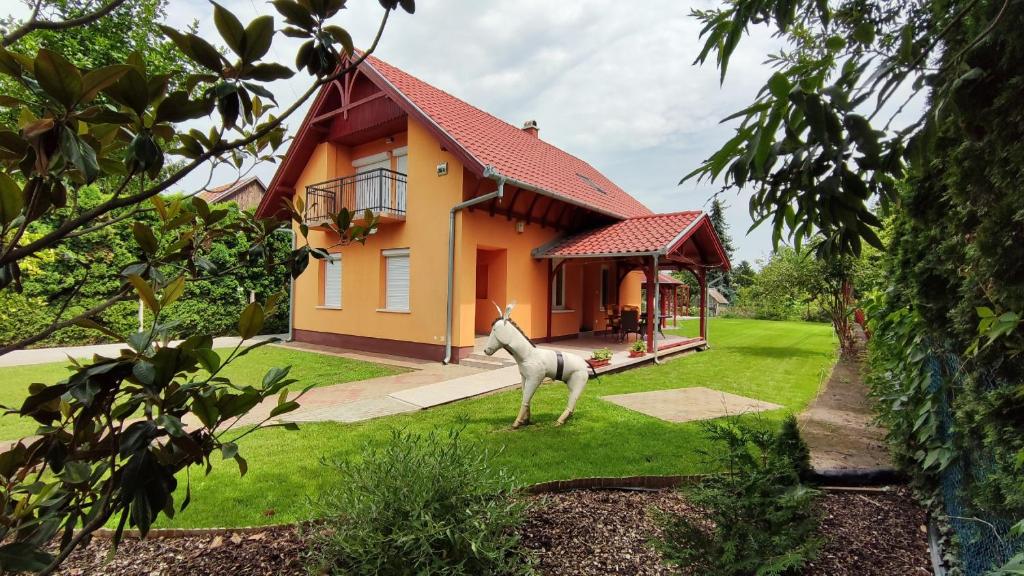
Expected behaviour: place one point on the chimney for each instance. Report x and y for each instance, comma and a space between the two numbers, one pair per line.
530, 127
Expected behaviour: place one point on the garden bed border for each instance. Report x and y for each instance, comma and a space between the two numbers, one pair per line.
826, 478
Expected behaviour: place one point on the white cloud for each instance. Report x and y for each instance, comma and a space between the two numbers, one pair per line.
609, 81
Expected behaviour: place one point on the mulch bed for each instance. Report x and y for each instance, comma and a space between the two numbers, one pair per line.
579, 533
270, 552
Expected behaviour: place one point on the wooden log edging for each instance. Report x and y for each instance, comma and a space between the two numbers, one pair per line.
613, 483
191, 532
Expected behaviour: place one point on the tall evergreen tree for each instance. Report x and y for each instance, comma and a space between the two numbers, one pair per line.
717, 278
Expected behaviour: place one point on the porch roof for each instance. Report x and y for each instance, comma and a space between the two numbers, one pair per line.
686, 237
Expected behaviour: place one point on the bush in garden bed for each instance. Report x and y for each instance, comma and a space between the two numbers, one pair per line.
758, 517
420, 505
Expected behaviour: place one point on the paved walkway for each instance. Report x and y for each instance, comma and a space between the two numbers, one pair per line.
60, 354
427, 384
364, 399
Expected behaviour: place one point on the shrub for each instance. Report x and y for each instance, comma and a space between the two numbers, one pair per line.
757, 518
419, 505
638, 346
601, 354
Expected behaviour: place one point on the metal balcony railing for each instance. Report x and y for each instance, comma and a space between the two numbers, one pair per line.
381, 191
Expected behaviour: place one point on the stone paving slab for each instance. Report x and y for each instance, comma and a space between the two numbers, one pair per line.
689, 404
357, 411
459, 388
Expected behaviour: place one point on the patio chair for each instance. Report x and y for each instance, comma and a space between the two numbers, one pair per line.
629, 323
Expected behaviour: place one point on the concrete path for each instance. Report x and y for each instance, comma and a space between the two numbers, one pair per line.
60, 354
459, 388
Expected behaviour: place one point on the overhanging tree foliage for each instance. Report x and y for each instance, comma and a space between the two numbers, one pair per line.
832, 134
114, 434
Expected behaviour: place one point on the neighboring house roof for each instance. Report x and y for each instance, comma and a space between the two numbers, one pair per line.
226, 191
513, 152
717, 296
664, 278
640, 235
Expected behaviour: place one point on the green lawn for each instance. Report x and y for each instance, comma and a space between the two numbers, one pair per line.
780, 362
307, 367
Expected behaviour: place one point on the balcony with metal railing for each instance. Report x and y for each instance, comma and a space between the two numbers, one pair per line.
380, 191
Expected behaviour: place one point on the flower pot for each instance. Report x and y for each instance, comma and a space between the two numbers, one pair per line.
599, 363
636, 353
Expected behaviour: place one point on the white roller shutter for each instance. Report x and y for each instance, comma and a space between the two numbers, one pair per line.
332, 282
397, 296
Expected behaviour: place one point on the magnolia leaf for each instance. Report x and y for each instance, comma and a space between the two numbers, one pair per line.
145, 238
96, 80
230, 28
295, 14
258, 36
173, 291
268, 72
251, 321
58, 77
342, 37
12, 199
145, 292
179, 107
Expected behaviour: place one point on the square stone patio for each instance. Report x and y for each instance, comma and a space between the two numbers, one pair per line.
689, 404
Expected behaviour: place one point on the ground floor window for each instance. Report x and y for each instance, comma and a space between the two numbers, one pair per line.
558, 289
396, 280
331, 276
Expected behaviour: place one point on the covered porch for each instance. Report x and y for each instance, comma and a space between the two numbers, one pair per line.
647, 245
583, 345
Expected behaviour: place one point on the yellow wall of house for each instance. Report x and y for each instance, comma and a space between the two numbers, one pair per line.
526, 277
630, 291
424, 233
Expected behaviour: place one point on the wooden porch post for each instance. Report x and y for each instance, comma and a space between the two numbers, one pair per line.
675, 306
703, 281
650, 272
551, 278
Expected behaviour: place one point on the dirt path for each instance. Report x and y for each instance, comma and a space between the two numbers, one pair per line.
838, 427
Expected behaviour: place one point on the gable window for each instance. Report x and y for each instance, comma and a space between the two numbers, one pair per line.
396, 280
331, 277
558, 289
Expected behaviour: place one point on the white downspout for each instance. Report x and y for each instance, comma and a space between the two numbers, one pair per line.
657, 308
489, 172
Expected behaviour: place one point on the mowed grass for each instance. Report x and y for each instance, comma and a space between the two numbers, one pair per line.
780, 362
307, 367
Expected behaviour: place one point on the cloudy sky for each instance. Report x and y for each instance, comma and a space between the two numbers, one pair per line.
609, 81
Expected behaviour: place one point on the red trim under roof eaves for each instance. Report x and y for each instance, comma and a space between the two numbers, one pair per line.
289, 157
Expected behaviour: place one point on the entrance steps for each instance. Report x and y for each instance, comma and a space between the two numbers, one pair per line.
486, 362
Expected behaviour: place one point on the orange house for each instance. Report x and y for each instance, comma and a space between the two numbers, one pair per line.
472, 210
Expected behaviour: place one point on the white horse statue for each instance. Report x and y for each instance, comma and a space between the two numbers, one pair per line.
535, 364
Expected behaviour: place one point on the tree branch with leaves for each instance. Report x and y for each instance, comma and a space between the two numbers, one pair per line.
113, 436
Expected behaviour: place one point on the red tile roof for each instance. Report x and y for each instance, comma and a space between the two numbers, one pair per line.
637, 235
513, 152
664, 278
